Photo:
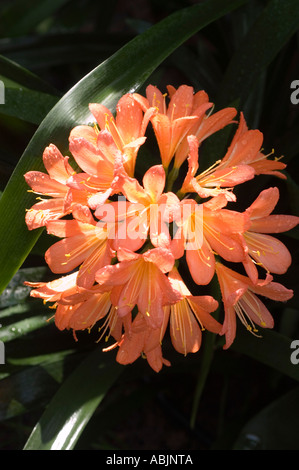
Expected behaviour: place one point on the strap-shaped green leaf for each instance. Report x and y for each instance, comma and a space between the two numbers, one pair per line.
62, 48
32, 382
273, 350
264, 40
28, 105
25, 95
20, 17
73, 405
275, 427
125, 71
270, 32
23, 77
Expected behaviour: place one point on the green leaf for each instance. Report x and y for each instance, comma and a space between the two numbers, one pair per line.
272, 29
273, 350
35, 384
23, 15
16, 292
23, 77
273, 428
23, 327
30, 106
266, 37
125, 71
60, 49
73, 405
25, 96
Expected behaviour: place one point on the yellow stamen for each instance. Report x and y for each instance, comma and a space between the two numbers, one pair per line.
54, 306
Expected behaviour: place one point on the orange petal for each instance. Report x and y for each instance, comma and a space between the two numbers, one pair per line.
84, 181
107, 147
202, 306
142, 101
185, 332
245, 149
156, 99
162, 128
100, 256
161, 257
154, 181
56, 165
181, 103
273, 291
63, 315
132, 345
201, 264
274, 223
271, 253
200, 98
227, 247
155, 359
183, 148
225, 221
227, 177
90, 311
232, 285
69, 228
264, 166
129, 117
179, 129
216, 202
67, 254
256, 310
229, 327
42, 183
102, 114
131, 189
41, 213
89, 159
192, 163
85, 132
250, 268
114, 275
264, 204
215, 122
53, 290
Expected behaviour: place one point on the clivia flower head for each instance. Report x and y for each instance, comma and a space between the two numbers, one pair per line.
128, 243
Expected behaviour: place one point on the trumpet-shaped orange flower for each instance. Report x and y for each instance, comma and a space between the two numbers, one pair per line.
173, 122
140, 280
54, 291
219, 179
97, 155
207, 229
239, 295
150, 210
127, 128
206, 125
84, 243
260, 248
189, 316
78, 308
53, 184
85, 309
141, 340
245, 148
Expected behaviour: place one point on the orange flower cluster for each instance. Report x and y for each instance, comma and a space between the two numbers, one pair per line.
122, 242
